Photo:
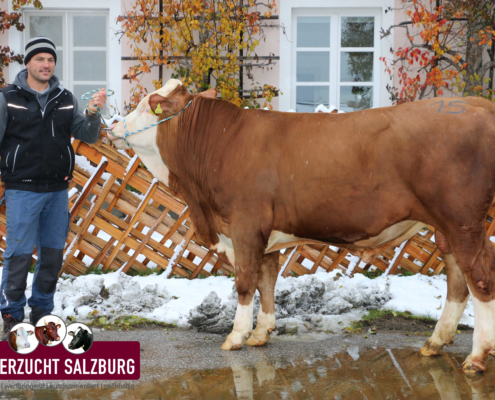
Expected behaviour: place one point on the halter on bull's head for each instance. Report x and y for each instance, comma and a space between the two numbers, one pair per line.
138, 129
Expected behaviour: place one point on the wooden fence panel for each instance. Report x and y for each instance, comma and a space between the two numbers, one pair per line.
126, 226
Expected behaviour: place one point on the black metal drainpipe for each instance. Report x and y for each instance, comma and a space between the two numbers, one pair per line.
160, 67
493, 59
241, 55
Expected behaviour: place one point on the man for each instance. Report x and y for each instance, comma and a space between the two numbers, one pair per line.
37, 118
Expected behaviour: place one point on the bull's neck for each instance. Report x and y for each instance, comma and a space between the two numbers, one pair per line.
194, 139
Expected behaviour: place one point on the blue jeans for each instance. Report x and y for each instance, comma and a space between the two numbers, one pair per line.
33, 219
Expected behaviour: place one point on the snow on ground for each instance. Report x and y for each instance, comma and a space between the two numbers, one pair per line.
321, 302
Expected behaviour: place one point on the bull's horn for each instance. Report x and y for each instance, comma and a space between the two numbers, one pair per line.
44, 320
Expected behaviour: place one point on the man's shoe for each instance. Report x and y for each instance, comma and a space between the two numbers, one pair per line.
36, 314
8, 324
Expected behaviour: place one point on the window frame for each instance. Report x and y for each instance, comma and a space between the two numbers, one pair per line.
68, 47
291, 9
112, 8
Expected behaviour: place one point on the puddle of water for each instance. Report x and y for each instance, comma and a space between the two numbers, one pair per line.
373, 373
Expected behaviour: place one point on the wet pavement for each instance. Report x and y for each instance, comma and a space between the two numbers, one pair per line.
179, 364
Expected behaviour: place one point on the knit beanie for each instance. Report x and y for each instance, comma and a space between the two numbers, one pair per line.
39, 44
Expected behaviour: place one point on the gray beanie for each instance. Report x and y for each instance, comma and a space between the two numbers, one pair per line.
39, 44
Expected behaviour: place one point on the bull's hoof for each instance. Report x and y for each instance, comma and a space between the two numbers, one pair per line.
229, 346
235, 341
473, 367
258, 338
430, 350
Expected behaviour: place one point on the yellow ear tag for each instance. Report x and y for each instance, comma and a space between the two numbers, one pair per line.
151, 112
158, 109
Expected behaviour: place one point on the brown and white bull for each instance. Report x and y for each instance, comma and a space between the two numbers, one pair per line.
257, 181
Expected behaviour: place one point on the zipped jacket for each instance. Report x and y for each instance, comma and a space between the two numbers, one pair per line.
36, 151
35, 125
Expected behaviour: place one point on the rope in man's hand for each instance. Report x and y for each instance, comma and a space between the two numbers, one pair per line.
97, 100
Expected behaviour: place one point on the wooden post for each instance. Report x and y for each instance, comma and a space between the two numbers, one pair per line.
202, 265
75, 145
320, 258
145, 240
217, 266
291, 262
338, 260
87, 189
430, 261
139, 211
187, 239
394, 267
117, 197
86, 223
439, 268
175, 226
128, 176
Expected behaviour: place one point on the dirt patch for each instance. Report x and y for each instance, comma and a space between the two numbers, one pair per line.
393, 322
139, 325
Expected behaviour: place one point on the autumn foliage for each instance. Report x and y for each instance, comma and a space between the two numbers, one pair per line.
200, 40
449, 50
7, 21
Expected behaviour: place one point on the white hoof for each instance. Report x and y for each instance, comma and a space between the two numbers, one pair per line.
235, 341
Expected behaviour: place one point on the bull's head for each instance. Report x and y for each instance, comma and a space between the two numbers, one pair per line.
50, 331
171, 99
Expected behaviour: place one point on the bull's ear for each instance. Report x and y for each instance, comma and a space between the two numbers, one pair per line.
58, 326
70, 333
210, 93
30, 333
160, 104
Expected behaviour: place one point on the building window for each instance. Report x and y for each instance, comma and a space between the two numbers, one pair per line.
336, 59
81, 39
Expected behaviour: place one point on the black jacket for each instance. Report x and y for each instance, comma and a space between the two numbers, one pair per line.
36, 150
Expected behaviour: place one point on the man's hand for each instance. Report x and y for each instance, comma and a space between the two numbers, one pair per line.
99, 100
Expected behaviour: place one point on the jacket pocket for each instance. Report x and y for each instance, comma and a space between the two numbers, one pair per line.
15, 157
70, 160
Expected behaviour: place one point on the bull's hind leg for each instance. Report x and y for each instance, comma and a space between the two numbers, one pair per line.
248, 250
266, 286
457, 297
475, 256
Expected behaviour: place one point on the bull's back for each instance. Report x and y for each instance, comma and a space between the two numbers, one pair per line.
367, 169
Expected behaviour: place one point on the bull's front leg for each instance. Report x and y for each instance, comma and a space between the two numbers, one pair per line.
266, 286
248, 252
457, 297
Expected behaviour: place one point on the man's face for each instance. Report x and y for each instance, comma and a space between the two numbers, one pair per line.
41, 67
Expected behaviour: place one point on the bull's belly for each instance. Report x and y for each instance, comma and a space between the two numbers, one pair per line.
279, 240
366, 249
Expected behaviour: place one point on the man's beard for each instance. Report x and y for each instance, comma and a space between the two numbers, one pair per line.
39, 78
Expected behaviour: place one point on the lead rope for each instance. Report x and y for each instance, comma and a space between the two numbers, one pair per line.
88, 96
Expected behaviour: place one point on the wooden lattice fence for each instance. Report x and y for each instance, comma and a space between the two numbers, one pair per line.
125, 219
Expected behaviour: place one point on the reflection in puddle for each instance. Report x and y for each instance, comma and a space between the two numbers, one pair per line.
373, 373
